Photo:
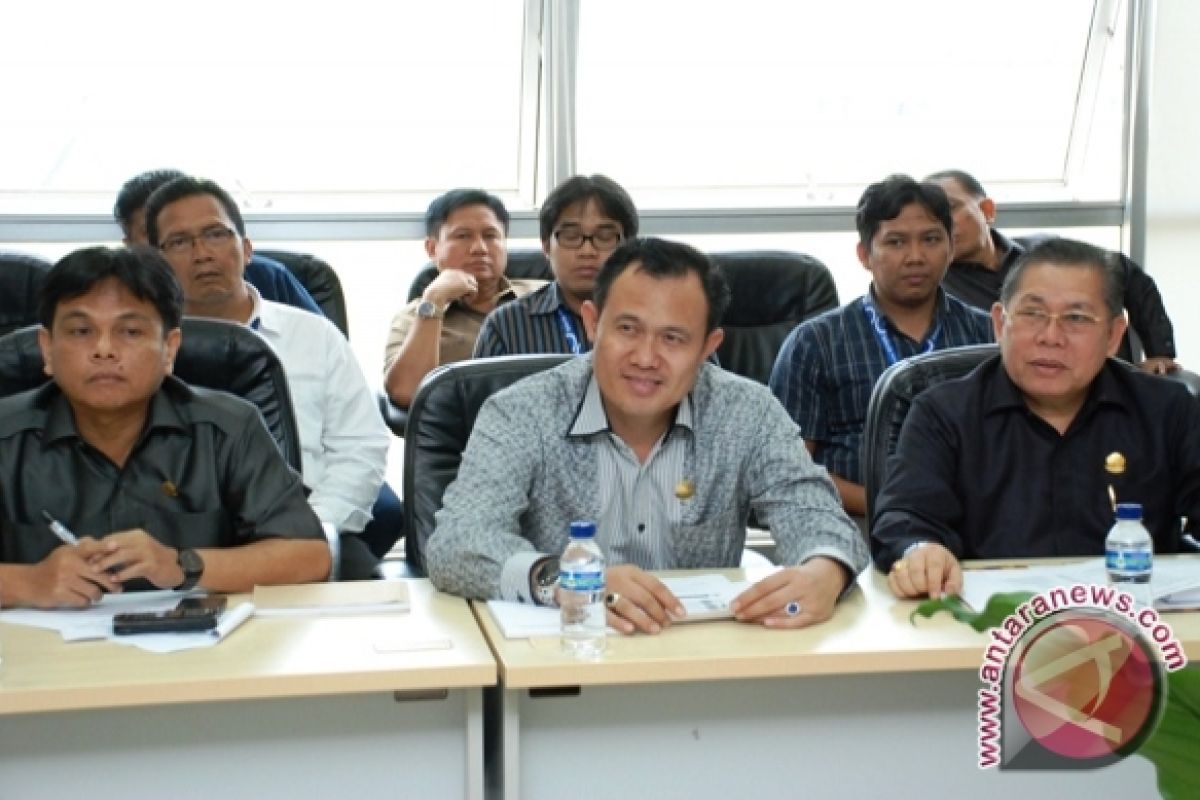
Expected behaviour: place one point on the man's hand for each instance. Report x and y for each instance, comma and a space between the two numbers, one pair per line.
1159, 365
70, 576
929, 569
450, 285
643, 602
137, 554
810, 591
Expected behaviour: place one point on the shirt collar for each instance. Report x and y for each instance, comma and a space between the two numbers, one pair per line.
548, 301
1105, 388
504, 292
941, 308
60, 419
256, 320
591, 418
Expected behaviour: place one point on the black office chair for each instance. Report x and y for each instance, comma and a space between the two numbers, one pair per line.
321, 281
893, 396
21, 279
772, 292
522, 263
440, 420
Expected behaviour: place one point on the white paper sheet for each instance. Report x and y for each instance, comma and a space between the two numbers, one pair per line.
1175, 581
96, 622
704, 597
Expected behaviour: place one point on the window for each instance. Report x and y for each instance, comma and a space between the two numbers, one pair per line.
766, 103
355, 106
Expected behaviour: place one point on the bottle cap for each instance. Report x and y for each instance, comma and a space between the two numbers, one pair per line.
585, 530
1130, 511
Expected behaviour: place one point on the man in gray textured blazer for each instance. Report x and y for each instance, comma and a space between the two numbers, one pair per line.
667, 453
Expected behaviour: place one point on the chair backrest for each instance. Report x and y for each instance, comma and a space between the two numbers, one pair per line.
21, 279
213, 354
440, 420
522, 263
771, 293
319, 278
893, 396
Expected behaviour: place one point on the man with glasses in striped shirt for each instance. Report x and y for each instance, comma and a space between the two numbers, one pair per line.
581, 223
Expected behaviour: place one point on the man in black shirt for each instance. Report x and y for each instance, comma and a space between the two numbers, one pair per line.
983, 257
1010, 460
165, 486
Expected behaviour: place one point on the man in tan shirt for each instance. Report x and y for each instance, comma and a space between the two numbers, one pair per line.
466, 234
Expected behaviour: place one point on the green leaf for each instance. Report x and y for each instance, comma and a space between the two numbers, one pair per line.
999, 606
1174, 747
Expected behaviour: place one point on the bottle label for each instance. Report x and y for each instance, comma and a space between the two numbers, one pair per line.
1133, 561
582, 580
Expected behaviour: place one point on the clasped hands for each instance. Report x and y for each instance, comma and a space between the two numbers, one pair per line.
80, 574
644, 604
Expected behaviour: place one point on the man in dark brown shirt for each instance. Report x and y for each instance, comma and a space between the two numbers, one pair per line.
165, 486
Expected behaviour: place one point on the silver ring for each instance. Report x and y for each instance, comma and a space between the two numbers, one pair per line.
612, 599
792, 608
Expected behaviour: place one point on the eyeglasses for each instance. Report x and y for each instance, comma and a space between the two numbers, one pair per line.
601, 238
1034, 320
214, 237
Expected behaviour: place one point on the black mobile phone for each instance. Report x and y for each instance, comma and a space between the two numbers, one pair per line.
192, 614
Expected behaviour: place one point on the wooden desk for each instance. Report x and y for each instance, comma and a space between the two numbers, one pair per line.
285, 707
850, 708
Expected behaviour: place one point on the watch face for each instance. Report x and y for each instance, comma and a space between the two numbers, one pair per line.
427, 310
549, 575
190, 562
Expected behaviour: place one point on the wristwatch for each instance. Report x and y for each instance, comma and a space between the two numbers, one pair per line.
193, 567
429, 310
543, 580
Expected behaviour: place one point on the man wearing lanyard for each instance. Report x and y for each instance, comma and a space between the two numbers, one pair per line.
581, 223
828, 366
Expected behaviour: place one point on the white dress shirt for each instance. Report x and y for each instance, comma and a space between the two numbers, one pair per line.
343, 440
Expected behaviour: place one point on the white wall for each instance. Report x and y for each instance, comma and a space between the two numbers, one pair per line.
1173, 185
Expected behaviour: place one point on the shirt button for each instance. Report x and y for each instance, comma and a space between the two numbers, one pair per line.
641, 528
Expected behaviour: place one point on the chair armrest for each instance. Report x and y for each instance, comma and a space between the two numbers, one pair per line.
395, 416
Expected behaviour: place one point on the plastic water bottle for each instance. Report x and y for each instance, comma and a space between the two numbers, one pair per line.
581, 579
1129, 554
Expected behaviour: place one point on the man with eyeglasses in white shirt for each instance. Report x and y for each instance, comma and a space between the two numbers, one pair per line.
581, 223
1012, 461
343, 441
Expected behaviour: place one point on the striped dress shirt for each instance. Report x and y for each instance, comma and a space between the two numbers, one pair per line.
638, 506
531, 324
828, 366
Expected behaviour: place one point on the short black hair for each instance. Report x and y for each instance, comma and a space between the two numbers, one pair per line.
660, 258
615, 203
187, 186
442, 207
136, 191
1071, 253
886, 199
141, 270
964, 179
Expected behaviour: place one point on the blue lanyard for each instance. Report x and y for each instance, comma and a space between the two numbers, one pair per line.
885, 339
568, 331
568, 328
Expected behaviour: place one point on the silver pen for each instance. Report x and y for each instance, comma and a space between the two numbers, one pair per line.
60, 530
